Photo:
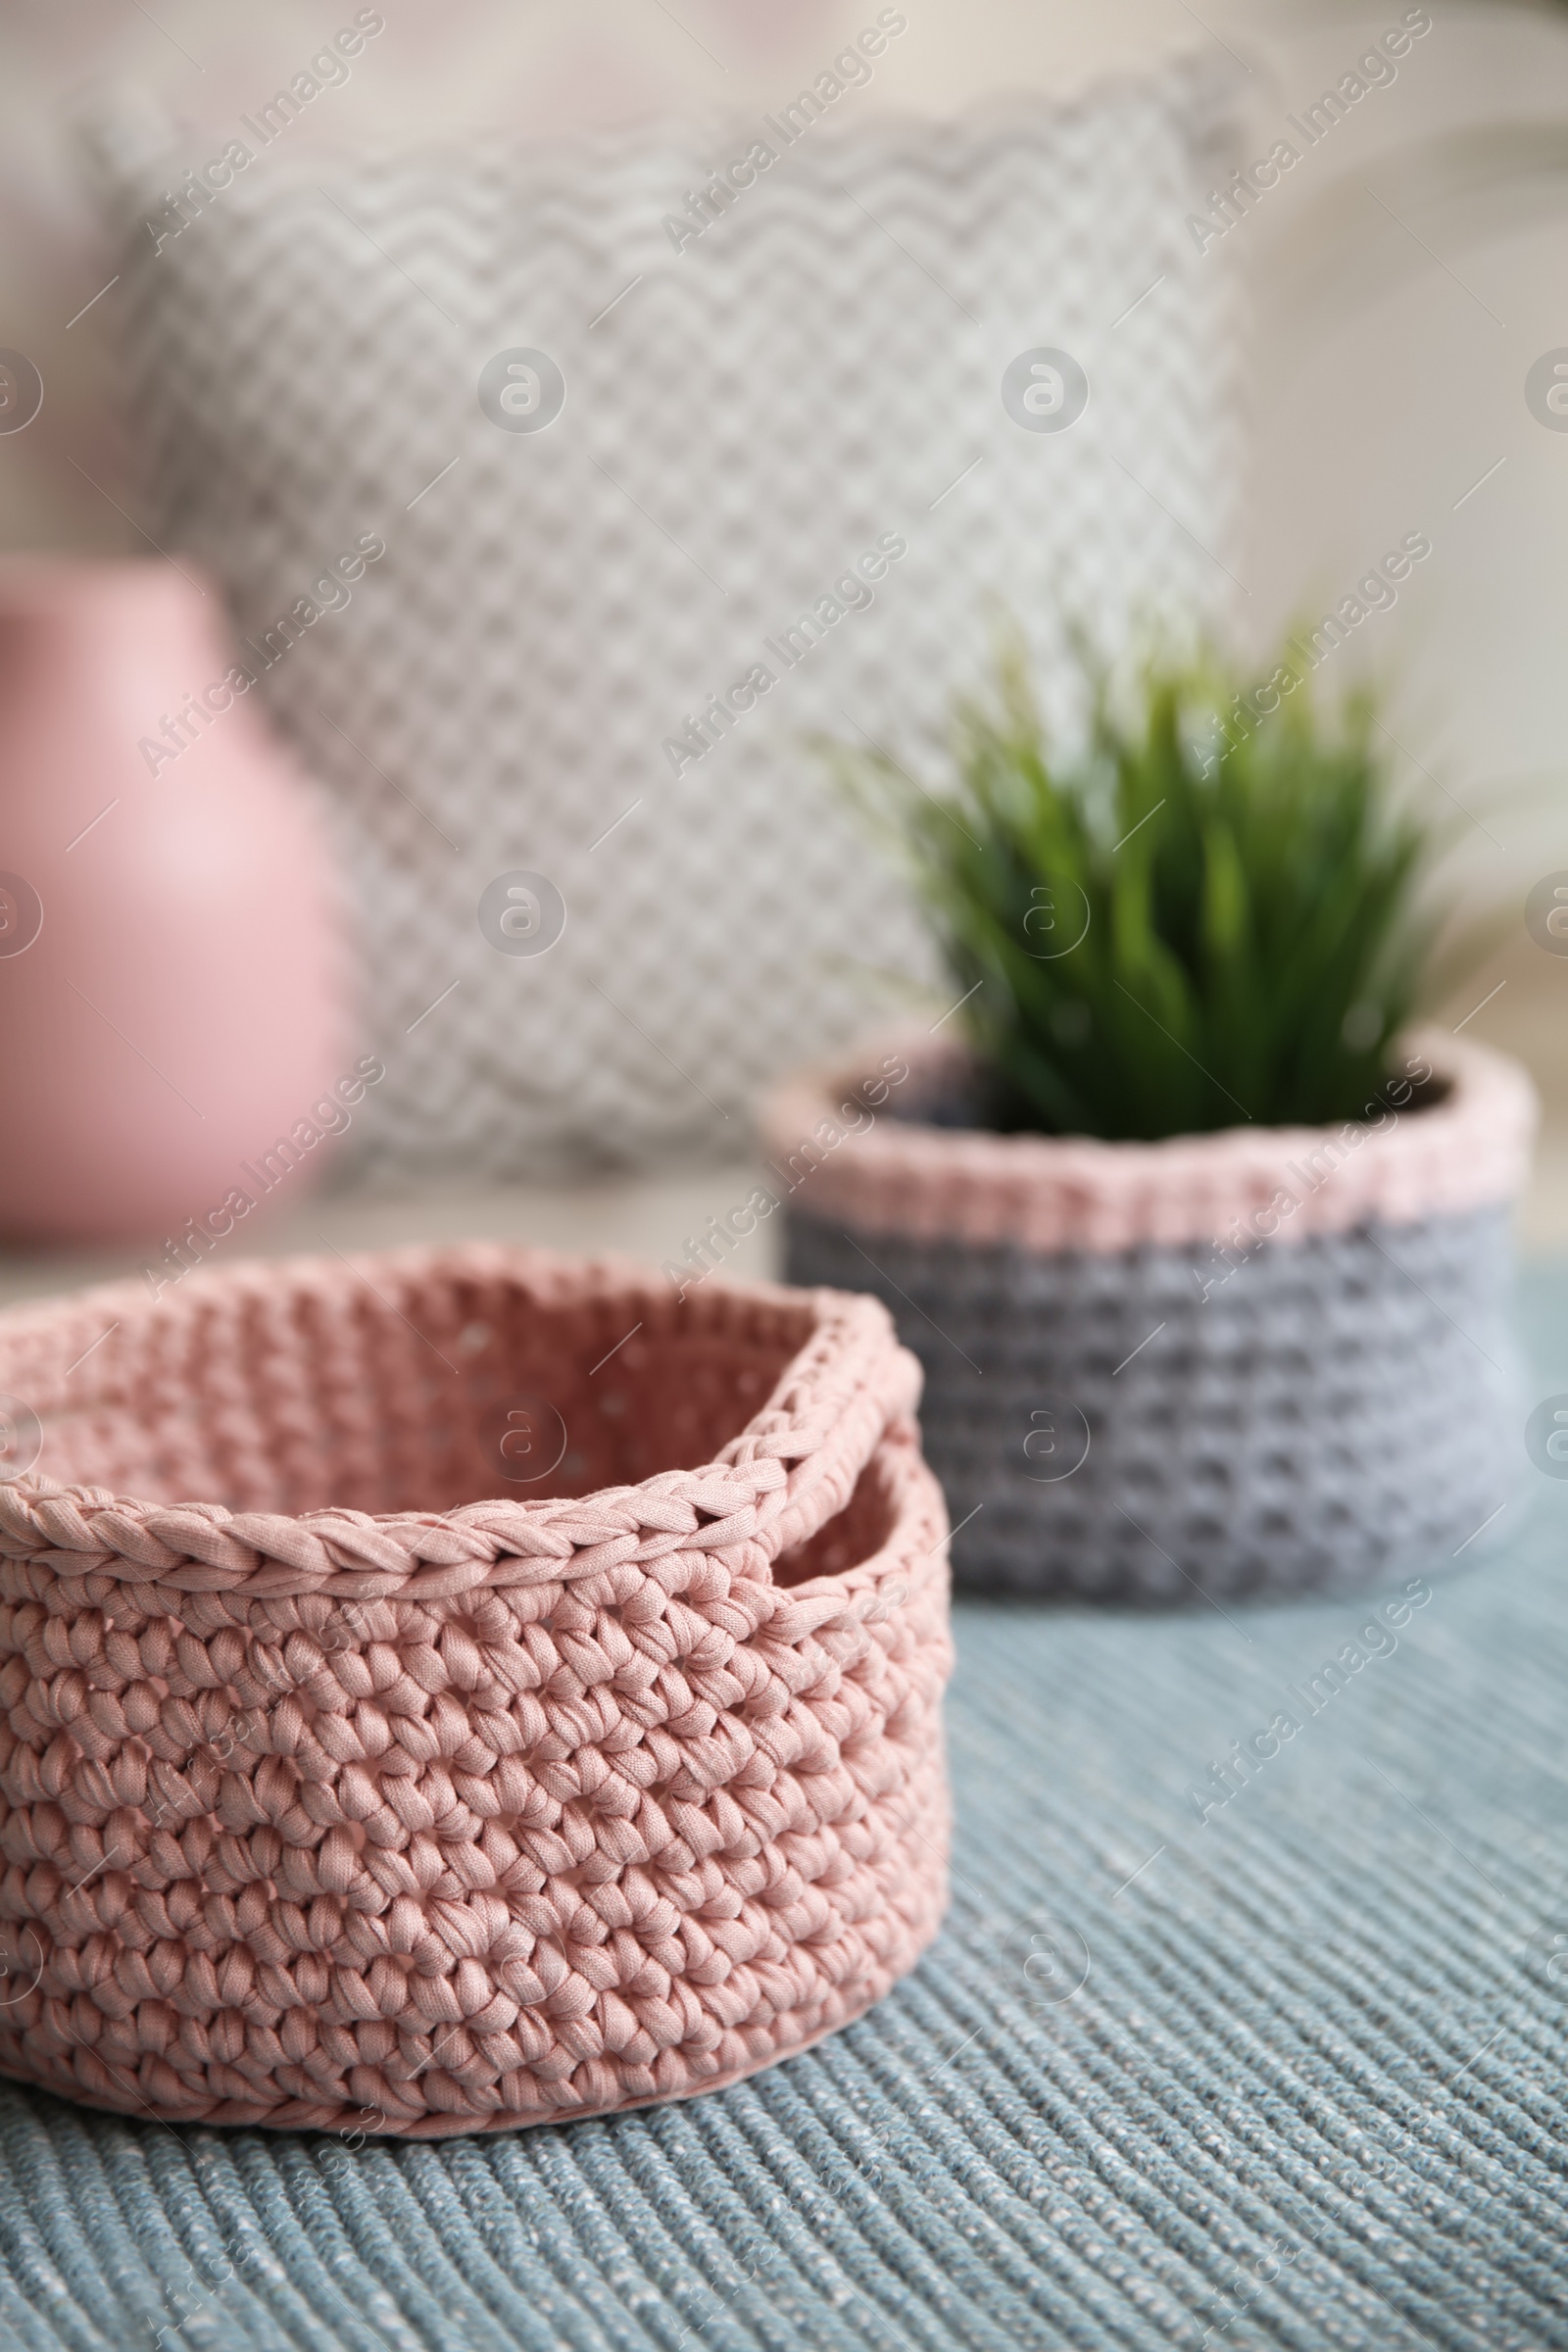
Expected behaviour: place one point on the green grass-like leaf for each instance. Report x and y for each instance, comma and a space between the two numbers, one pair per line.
1258, 928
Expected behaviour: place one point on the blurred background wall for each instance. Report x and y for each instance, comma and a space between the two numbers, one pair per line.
1404, 280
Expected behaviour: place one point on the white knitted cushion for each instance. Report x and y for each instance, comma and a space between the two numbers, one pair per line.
585, 545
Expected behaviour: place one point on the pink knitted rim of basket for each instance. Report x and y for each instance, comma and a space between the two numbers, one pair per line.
843, 1148
354, 1804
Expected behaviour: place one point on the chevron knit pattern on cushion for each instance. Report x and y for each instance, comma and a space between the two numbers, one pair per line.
752, 427
349, 1801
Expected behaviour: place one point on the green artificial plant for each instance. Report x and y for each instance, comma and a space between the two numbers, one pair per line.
1212, 913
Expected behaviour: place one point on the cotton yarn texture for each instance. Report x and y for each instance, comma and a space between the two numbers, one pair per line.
1131, 1394
1309, 2093
796, 388
348, 1802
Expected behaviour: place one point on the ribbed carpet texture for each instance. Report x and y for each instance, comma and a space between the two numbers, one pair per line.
1291, 2073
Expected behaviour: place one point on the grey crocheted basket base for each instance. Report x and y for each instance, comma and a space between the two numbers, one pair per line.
1335, 1409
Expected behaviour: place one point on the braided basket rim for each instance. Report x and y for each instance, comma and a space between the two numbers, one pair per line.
1051, 1192
814, 1418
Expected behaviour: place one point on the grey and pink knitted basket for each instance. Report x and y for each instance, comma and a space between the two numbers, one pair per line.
338, 1792
1269, 1360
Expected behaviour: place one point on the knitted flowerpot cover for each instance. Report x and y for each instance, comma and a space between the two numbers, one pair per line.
528, 1733
1265, 1358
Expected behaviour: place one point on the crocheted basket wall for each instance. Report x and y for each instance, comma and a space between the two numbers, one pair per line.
1268, 1358
783, 480
352, 1800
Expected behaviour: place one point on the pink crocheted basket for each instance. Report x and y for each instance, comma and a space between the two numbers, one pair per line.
355, 1802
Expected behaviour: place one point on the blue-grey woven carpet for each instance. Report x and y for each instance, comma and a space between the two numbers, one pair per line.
1309, 2092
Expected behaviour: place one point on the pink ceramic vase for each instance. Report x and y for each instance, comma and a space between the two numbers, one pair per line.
169, 977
